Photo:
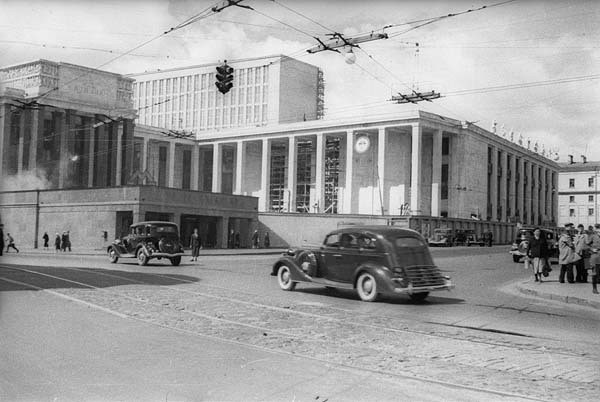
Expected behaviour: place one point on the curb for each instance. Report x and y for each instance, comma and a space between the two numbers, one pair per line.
100, 253
564, 299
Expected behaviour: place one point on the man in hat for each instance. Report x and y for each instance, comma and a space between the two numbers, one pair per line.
594, 243
582, 249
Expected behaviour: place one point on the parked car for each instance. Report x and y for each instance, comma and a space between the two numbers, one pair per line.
373, 260
443, 237
521, 243
471, 238
148, 240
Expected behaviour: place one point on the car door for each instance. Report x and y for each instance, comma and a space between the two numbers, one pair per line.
343, 260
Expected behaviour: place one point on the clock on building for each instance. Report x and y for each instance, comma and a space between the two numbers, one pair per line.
362, 144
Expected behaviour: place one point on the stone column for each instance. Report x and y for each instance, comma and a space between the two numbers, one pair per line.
503, 200
555, 197
171, 169
527, 191
240, 160
415, 170
512, 201
217, 171
263, 202
347, 206
145, 152
494, 184
63, 158
91, 154
436, 173
21, 141
319, 198
535, 194
291, 173
520, 184
5, 113
542, 193
33, 145
119, 167
195, 166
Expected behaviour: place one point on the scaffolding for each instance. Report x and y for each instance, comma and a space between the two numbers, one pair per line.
332, 174
277, 177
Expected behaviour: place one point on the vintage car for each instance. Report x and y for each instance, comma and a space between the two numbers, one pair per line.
443, 237
471, 238
521, 243
148, 240
373, 260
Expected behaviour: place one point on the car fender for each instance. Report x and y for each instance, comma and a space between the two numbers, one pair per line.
295, 270
119, 250
381, 274
143, 247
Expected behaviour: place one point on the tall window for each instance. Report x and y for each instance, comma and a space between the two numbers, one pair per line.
571, 183
590, 198
591, 182
571, 212
590, 211
571, 198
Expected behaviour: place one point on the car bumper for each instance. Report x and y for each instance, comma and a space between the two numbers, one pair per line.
165, 255
448, 285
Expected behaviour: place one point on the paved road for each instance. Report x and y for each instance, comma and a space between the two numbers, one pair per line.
221, 329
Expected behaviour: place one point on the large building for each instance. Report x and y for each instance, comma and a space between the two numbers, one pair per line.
578, 192
266, 90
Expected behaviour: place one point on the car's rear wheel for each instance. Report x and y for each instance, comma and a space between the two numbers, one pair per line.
419, 297
113, 257
366, 285
142, 258
284, 277
176, 260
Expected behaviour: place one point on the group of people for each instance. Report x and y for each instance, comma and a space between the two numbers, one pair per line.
62, 242
256, 240
579, 251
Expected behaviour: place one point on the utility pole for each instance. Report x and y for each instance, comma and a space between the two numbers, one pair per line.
338, 40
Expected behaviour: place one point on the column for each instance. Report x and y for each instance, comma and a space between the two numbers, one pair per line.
217, 171
263, 202
240, 160
555, 197
347, 206
21, 141
503, 196
5, 113
543, 193
119, 168
512, 200
292, 177
195, 166
145, 152
494, 183
415, 170
436, 174
63, 157
91, 155
33, 145
527, 191
520, 184
535, 213
319, 198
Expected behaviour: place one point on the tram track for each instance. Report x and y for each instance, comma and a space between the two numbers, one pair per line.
367, 345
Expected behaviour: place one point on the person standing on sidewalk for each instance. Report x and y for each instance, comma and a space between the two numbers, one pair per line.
46, 238
57, 240
195, 244
11, 242
582, 249
255, 239
566, 251
538, 251
594, 243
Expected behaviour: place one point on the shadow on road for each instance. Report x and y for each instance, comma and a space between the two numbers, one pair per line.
18, 277
433, 299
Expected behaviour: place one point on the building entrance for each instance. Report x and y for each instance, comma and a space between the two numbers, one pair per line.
207, 229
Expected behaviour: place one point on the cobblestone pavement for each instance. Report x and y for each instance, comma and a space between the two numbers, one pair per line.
499, 363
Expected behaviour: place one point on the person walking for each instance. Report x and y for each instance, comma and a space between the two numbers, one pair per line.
68, 239
267, 240
538, 252
1, 241
566, 255
57, 241
255, 239
238, 241
11, 243
582, 249
46, 239
594, 244
195, 244
63, 242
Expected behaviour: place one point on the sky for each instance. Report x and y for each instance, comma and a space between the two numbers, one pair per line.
530, 66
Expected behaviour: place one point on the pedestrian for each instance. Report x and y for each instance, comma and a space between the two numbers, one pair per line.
255, 239
582, 249
566, 256
195, 244
538, 252
11, 242
68, 240
238, 241
1, 240
231, 239
267, 240
46, 238
63, 242
57, 241
594, 244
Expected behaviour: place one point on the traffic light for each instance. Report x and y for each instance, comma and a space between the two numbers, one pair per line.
224, 78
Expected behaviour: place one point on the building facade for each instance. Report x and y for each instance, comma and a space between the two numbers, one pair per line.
267, 90
418, 164
66, 126
578, 193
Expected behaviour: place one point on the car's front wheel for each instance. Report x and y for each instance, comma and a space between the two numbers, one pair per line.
175, 261
284, 277
366, 285
419, 297
113, 257
142, 258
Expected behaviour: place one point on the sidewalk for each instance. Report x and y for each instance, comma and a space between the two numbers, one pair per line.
571, 293
102, 252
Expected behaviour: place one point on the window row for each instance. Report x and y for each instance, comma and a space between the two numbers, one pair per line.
590, 182
572, 212
572, 199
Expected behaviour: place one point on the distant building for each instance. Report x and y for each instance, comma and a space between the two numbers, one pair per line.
578, 192
266, 91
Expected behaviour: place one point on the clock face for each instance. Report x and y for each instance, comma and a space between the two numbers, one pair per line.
362, 144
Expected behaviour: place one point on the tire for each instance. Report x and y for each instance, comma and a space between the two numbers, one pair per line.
516, 258
175, 261
366, 285
142, 258
284, 277
112, 256
419, 297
